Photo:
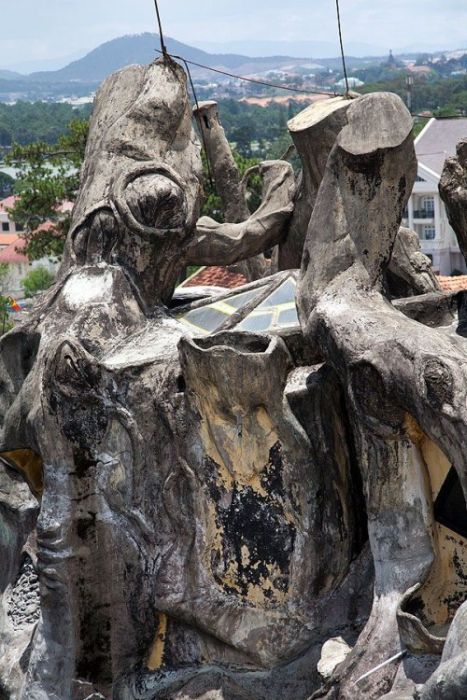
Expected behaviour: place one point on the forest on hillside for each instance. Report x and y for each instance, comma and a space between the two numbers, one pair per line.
441, 96
249, 126
28, 122
45, 142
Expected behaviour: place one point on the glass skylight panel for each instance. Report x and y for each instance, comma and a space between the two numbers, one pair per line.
288, 317
256, 322
278, 310
210, 317
240, 300
206, 319
282, 295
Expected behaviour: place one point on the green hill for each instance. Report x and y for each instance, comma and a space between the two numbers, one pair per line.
140, 48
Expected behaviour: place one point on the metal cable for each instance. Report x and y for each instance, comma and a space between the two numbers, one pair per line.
161, 34
195, 97
186, 61
165, 53
342, 47
253, 80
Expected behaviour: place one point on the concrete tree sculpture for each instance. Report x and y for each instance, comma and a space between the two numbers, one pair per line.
227, 179
453, 190
97, 417
189, 515
314, 132
405, 382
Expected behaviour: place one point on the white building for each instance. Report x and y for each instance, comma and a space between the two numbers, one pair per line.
426, 211
10, 250
352, 82
18, 268
7, 225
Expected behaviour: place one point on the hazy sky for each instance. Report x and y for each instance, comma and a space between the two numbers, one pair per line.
42, 29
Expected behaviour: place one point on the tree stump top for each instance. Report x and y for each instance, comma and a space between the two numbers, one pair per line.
316, 113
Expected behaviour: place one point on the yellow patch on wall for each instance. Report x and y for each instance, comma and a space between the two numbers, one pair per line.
156, 655
29, 464
446, 587
239, 443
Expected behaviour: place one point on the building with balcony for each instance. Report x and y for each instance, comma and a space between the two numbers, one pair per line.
426, 213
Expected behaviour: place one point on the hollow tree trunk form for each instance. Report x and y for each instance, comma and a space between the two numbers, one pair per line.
314, 132
260, 487
453, 191
227, 179
390, 365
135, 213
140, 191
409, 272
216, 244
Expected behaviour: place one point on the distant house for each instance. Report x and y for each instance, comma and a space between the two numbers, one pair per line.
7, 225
216, 277
18, 268
10, 250
353, 82
426, 213
7, 239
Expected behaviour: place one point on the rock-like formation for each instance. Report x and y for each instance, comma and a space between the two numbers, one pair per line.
227, 178
453, 190
314, 132
188, 515
400, 376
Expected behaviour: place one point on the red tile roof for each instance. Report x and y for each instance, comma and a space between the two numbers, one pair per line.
10, 255
7, 238
9, 203
453, 284
66, 206
222, 277
215, 277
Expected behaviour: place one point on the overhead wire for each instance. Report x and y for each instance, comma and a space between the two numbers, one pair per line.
161, 33
203, 138
341, 41
288, 88
165, 53
255, 80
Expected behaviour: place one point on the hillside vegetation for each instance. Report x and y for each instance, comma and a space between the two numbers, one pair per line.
27, 122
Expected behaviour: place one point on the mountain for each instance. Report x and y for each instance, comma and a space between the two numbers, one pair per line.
142, 48
249, 57
80, 78
299, 49
10, 75
44, 64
